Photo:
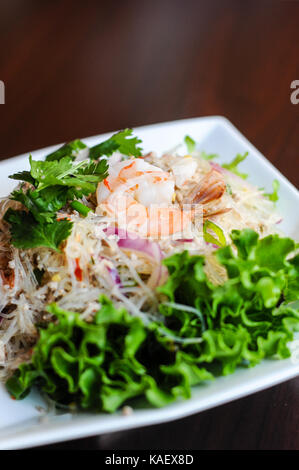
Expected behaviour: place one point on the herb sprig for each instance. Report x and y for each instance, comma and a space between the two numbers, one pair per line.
123, 141
56, 182
274, 195
233, 165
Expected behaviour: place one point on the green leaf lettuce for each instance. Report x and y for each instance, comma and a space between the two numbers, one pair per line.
207, 330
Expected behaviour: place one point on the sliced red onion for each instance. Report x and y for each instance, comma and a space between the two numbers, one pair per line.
148, 248
218, 167
120, 232
113, 274
222, 170
213, 244
132, 242
159, 275
227, 172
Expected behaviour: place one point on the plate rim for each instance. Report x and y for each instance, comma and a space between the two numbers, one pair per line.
54, 432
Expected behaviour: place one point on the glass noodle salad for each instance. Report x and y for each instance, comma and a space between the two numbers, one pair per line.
127, 276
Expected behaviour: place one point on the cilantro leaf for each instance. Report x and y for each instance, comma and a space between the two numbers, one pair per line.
43, 204
27, 233
233, 166
94, 171
51, 173
208, 156
56, 183
23, 176
104, 148
122, 141
190, 144
83, 175
274, 195
71, 149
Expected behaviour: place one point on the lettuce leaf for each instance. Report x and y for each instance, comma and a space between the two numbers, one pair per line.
207, 330
101, 365
249, 316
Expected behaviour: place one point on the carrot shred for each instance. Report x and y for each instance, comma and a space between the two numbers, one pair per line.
107, 184
78, 271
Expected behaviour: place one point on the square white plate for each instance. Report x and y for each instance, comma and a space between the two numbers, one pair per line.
22, 424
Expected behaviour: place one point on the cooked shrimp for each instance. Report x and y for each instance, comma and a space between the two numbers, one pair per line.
140, 196
198, 182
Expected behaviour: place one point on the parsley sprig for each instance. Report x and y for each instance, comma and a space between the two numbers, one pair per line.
233, 165
56, 182
274, 195
27, 232
122, 141
53, 184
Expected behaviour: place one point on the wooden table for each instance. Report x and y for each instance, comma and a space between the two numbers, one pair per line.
73, 69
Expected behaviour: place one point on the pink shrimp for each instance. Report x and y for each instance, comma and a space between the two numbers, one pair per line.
140, 197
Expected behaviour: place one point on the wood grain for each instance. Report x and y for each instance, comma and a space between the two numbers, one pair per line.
73, 69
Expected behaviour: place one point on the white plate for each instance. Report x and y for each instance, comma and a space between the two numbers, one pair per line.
21, 422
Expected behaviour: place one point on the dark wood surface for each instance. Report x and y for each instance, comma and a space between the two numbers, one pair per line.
78, 68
